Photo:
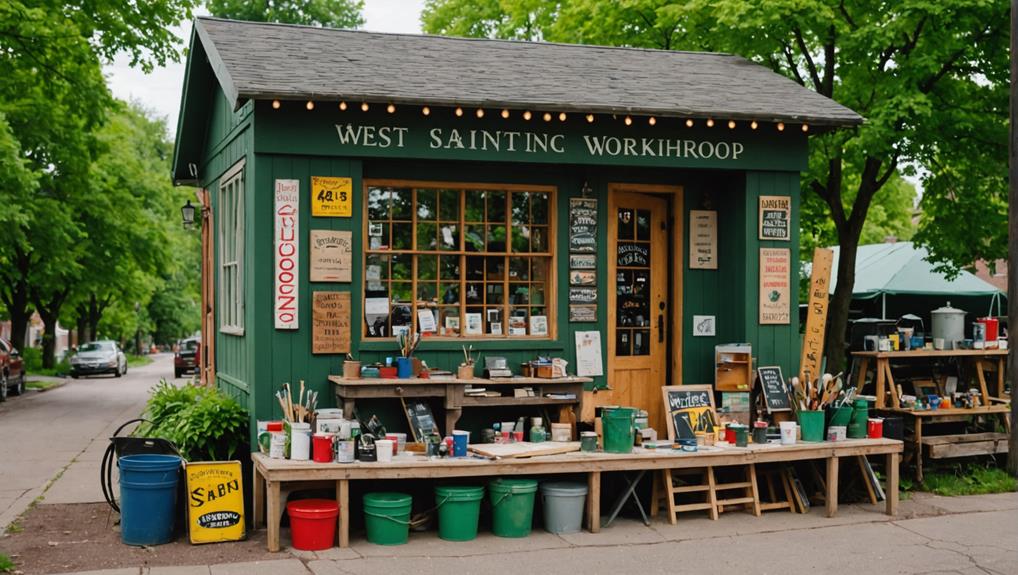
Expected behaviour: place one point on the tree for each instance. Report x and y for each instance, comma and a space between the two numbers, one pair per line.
902, 65
16, 181
328, 13
1012, 261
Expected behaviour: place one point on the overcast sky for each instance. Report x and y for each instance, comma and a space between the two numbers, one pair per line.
159, 91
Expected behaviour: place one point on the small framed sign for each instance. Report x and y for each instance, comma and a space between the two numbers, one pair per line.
703, 240
331, 197
775, 217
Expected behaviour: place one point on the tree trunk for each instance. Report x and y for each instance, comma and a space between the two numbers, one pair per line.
837, 314
94, 315
81, 325
49, 339
18, 310
1012, 247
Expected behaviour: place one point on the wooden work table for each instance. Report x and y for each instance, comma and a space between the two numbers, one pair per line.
275, 479
881, 361
452, 392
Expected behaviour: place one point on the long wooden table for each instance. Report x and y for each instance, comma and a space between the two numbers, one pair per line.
275, 479
452, 392
885, 379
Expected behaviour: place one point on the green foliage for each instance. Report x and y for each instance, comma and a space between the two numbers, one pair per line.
969, 480
204, 424
328, 13
6, 565
138, 360
32, 357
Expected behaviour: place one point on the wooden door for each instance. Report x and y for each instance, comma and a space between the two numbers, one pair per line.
638, 314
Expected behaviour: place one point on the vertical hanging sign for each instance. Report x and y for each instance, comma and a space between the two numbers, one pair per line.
775, 286
816, 313
286, 234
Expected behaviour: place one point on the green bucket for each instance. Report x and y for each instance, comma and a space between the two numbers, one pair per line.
617, 423
812, 424
840, 416
860, 417
387, 517
512, 506
458, 511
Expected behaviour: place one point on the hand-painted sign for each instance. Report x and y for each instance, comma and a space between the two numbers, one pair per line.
774, 388
690, 410
582, 262
703, 240
331, 197
582, 225
287, 251
816, 314
775, 217
331, 256
330, 322
775, 286
633, 255
582, 278
583, 295
215, 501
582, 313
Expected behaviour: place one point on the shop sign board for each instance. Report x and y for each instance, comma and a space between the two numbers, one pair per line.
582, 225
287, 253
330, 322
331, 197
582, 313
703, 240
775, 217
775, 286
690, 410
215, 501
586, 295
331, 256
816, 312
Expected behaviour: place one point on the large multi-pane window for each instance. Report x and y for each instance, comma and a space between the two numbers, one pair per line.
458, 261
231, 251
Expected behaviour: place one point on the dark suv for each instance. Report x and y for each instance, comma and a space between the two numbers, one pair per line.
185, 359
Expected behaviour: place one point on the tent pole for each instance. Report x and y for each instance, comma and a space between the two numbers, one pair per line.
883, 306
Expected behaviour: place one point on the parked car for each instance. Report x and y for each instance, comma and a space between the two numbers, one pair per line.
12, 370
98, 357
185, 359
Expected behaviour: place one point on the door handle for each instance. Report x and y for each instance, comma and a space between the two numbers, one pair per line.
660, 328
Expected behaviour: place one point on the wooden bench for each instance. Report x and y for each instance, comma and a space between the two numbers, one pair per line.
274, 479
964, 445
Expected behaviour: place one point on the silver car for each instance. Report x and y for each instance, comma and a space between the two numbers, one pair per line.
98, 357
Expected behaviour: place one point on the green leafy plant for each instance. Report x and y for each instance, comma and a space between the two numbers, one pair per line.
204, 424
6, 565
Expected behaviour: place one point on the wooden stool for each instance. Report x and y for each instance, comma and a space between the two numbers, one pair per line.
750, 498
775, 501
673, 482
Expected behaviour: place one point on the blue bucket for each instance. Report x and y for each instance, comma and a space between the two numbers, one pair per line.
148, 498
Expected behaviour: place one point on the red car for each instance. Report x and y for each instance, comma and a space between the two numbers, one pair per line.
187, 356
12, 372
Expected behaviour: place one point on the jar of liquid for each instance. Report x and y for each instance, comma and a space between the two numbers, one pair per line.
537, 432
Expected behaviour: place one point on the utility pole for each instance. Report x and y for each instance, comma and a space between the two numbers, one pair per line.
1012, 246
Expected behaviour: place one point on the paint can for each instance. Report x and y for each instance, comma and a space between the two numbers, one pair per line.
837, 433
384, 449
760, 432
322, 447
300, 441
460, 439
875, 428
588, 441
788, 431
344, 451
741, 436
277, 443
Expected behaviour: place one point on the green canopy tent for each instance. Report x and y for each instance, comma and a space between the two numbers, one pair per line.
894, 279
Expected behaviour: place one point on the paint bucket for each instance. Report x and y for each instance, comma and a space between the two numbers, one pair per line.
760, 434
459, 509
787, 432
312, 523
300, 441
277, 441
322, 447
617, 423
875, 428
588, 441
512, 506
344, 451
563, 502
836, 433
730, 433
387, 517
840, 416
460, 439
860, 415
894, 428
812, 423
148, 498
384, 449
404, 368
741, 436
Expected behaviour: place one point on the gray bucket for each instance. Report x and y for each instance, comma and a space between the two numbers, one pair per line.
563, 503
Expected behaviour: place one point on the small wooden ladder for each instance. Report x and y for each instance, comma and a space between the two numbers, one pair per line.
776, 501
683, 482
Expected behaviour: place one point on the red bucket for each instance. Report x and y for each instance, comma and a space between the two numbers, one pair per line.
312, 523
322, 446
992, 327
875, 428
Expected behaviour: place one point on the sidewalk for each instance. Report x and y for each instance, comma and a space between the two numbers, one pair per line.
965, 535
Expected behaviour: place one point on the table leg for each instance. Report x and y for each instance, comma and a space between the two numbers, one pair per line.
348, 405
892, 388
982, 382
891, 489
880, 383
257, 497
832, 486
274, 516
860, 382
918, 447
452, 415
594, 501
343, 497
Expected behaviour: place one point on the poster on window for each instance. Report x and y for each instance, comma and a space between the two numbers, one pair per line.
775, 286
703, 240
582, 225
286, 235
588, 354
331, 256
775, 215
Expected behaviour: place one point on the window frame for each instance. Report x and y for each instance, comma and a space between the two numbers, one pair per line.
231, 304
550, 293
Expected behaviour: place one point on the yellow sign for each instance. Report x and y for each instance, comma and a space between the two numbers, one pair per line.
215, 502
331, 197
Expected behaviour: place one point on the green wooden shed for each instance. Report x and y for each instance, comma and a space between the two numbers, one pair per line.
509, 196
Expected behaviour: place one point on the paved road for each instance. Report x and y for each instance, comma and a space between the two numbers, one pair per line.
62, 433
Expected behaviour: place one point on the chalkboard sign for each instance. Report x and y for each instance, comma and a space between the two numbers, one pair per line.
420, 418
583, 295
775, 391
582, 225
775, 215
690, 410
633, 255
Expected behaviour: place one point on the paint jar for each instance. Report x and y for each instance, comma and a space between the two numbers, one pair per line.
322, 447
277, 441
395, 442
488, 436
344, 451
561, 432
460, 439
730, 433
875, 428
300, 441
384, 449
760, 432
788, 432
518, 436
741, 436
837, 433
404, 368
588, 441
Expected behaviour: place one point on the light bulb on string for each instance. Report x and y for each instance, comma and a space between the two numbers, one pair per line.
590, 118
805, 127
781, 126
276, 104
364, 107
480, 112
754, 125
459, 112
710, 122
505, 114
342, 106
652, 120
527, 115
731, 124
547, 116
628, 121
689, 122
391, 108
310, 105
426, 111
561, 116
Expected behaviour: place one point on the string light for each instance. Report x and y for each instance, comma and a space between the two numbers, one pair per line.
710, 122
527, 115
426, 111
342, 106
562, 117
310, 105
689, 123
505, 114
731, 124
459, 112
275, 104
652, 120
547, 116
628, 121
590, 118
753, 124
781, 126
391, 108
480, 112
364, 106
805, 127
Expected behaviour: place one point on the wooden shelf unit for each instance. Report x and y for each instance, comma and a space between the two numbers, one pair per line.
733, 367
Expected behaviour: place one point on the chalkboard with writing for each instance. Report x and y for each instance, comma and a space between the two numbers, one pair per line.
690, 410
775, 391
420, 418
775, 216
582, 225
633, 255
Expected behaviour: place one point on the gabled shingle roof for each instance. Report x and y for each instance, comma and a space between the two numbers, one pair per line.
264, 61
